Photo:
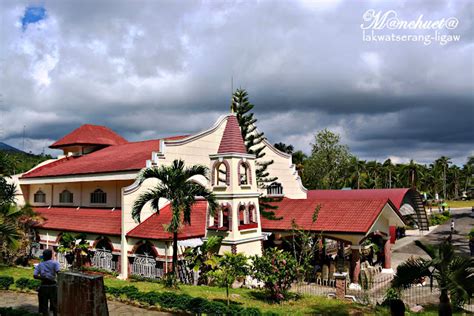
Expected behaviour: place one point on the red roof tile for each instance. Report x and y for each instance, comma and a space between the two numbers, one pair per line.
345, 216
232, 141
83, 220
90, 135
125, 157
152, 227
395, 195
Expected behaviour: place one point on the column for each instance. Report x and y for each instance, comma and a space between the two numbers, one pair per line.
387, 251
355, 264
340, 284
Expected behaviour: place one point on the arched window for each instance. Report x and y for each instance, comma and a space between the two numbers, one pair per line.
252, 214
146, 249
275, 189
104, 244
222, 174
39, 197
66, 197
98, 197
243, 215
244, 173
225, 218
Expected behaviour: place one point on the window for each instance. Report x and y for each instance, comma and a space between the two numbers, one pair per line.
243, 215
98, 197
66, 197
224, 217
39, 197
275, 189
221, 174
252, 214
244, 173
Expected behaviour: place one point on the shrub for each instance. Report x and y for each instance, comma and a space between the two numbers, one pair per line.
5, 282
277, 270
438, 219
181, 302
22, 283
33, 284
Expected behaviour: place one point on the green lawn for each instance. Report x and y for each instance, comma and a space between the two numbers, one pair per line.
248, 298
461, 204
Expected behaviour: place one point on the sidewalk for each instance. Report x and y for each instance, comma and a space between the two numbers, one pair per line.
29, 302
412, 235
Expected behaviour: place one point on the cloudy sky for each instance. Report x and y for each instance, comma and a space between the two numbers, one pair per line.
156, 68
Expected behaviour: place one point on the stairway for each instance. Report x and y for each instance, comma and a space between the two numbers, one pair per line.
423, 222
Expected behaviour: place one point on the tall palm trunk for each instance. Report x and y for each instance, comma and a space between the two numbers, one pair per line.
444, 308
175, 253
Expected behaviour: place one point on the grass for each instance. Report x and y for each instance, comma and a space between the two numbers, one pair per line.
245, 297
461, 204
248, 298
457, 204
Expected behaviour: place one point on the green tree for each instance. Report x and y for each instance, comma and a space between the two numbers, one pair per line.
444, 162
254, 143
328, 164
284, 148
277, 269
204, 258
298, 158
454, 274
230, 267
14, 226
176, 187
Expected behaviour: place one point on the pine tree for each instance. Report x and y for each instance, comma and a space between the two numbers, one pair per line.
254, 143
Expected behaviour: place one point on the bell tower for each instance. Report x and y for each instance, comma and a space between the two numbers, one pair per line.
234, 184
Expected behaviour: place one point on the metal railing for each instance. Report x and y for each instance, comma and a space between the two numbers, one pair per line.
103, 259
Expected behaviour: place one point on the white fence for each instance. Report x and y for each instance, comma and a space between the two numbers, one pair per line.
145, 266
103, 259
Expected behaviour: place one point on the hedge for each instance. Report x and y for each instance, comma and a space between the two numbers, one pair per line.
5, 282
25, 283
180, 302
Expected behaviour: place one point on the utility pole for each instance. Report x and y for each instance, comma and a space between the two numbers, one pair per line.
444, 181
24, 128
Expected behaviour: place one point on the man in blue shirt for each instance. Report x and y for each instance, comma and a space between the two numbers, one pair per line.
46, 272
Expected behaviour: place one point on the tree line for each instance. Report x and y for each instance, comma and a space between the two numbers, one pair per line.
331, 165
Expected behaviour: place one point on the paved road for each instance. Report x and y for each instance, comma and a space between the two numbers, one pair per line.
463, 223
29, 302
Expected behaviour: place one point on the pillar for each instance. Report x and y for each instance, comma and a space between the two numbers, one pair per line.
340, 284
393, 234
387, 251
355, 264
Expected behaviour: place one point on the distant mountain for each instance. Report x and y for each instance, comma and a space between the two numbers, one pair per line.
6, 147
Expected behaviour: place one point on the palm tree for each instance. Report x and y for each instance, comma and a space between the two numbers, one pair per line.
413, 171
454, 274
444, 162
389, 168
177, 187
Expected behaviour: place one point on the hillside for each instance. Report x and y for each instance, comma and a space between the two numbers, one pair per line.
8, 148
14, 161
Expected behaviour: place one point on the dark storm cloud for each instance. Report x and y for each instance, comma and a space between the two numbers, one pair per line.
151, 69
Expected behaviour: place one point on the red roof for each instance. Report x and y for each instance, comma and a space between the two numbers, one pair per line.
90, 135
232, 141
125, 157
345, 216
395, 195
83, 220
153, 226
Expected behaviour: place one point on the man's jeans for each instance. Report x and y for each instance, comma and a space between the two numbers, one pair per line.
48, 293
